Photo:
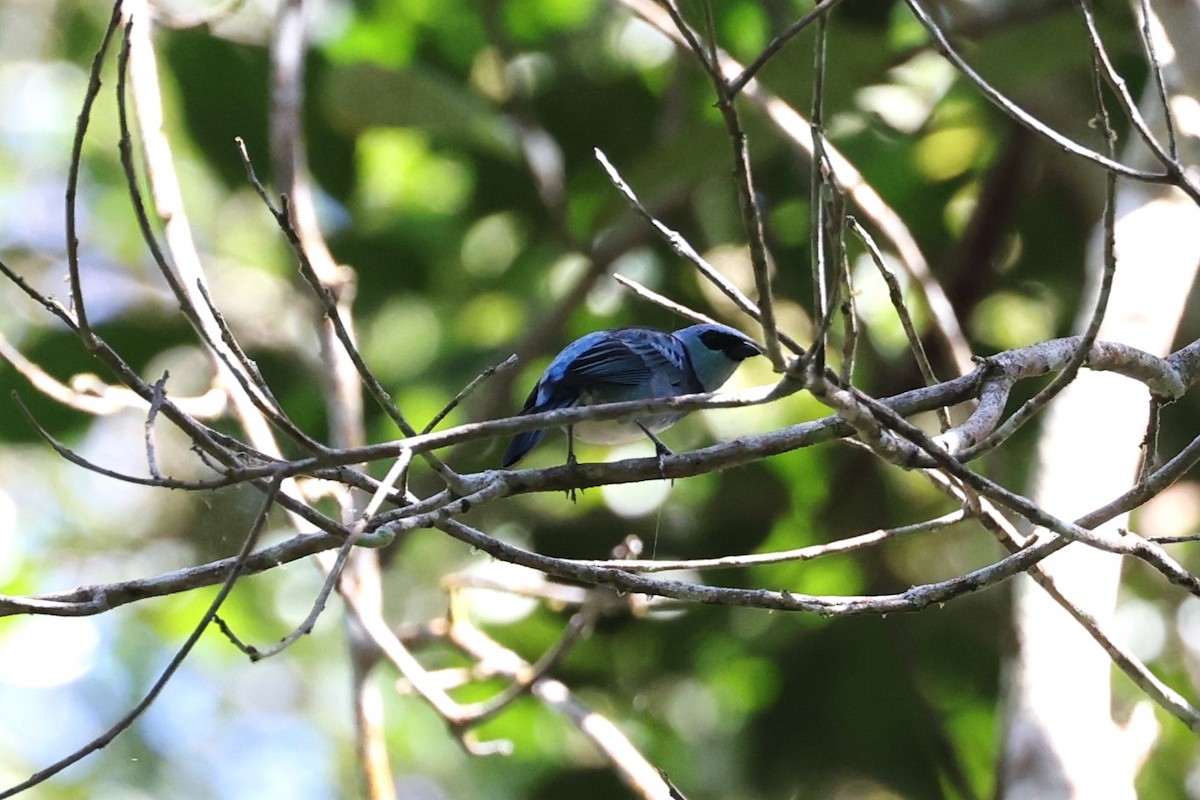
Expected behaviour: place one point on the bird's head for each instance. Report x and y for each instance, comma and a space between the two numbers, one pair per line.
715, 351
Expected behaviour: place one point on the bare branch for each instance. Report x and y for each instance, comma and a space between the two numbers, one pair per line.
85, 115
819, 11
1156, 70
89, 394
1173, 174
897, 297
847, 545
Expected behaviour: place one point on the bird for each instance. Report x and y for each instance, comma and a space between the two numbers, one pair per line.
610, 366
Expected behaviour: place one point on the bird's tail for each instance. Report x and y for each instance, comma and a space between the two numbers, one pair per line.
521, 444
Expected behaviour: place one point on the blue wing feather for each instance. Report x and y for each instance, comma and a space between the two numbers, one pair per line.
628, 357
609, 361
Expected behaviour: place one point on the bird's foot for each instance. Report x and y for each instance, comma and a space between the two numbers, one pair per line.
573, 462
661, 451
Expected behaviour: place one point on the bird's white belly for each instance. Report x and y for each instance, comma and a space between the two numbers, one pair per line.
622, 431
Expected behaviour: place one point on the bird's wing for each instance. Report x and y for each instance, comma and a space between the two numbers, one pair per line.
611, 359
666, 357
628, 357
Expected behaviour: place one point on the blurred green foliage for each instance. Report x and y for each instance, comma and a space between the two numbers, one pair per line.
414, 118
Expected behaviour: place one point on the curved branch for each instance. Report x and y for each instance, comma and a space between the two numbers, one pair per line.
1173, 175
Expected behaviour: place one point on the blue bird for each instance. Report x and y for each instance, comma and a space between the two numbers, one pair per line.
631, 364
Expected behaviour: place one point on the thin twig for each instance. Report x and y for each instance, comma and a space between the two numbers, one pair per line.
848, 307
168, 198
332, 576
212, 330
169, 671
1027, 120
466, 391
847, 545
158, 481
684, 249
1152, 554
1156, 71
818, 176
896, 293
81, 127
1149, 447
252, 381
776, 44
462, 632
652, 296
160, 393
